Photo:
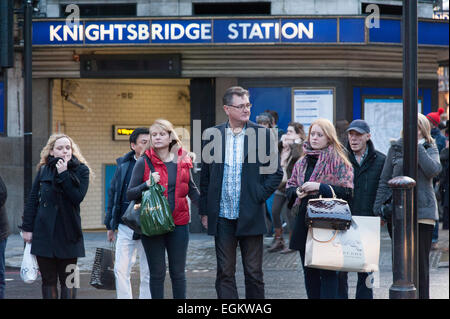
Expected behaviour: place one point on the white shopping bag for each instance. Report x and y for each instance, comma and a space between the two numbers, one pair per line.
29, 269
357, 249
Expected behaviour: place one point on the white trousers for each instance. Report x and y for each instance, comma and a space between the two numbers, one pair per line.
126, 249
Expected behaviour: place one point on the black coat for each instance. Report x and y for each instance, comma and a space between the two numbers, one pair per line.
41, 213
4, 226
365, 180
256, 188
115, 191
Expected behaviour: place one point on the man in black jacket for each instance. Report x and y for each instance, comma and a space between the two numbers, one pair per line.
367, 166
127, 243
4, 233
235, 183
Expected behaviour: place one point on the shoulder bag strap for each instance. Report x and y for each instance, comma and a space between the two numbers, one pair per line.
149, 163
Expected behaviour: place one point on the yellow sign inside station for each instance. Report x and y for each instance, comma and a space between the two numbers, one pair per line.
123, 132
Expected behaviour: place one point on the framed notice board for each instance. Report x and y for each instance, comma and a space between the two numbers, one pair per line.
385, 118
309, 104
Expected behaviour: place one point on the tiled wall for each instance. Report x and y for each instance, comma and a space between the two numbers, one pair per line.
108, 103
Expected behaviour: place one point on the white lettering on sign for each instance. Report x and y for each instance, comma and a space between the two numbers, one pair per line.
176, 31
102, 32
131, 29
270, 30
250, 31
156, 31
143, 32
193, 31
232, 28
268, 26
109, 31
291, 30
94, 35
172, 31
244, 27
54, 33
205, 30
120, 28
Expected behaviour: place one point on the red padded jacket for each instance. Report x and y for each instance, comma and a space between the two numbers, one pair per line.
184, 163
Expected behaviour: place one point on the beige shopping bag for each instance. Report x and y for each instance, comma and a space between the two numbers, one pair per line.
356, 249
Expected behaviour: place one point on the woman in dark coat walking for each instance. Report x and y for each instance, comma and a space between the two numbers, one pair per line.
323, 165
51, 220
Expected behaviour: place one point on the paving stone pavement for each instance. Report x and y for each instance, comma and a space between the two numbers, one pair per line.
283, 273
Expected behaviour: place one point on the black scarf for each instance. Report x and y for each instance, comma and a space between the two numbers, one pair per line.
67, 211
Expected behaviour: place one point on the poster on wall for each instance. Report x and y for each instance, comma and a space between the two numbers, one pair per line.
385, 118
310, 104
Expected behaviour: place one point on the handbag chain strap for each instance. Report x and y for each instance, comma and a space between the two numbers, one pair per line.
323, 241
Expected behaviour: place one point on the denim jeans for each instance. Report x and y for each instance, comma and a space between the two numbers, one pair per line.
362, 291
252, 256
176, 244
320, 284
2, 268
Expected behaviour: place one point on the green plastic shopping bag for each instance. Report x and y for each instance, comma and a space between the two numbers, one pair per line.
156, 217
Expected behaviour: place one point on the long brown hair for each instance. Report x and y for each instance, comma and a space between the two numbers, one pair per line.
330, 132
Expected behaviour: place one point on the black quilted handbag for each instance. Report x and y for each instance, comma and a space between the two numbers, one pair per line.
331, 213
132, 217
102, 275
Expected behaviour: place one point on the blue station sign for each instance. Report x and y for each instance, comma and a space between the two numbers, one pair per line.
288, 30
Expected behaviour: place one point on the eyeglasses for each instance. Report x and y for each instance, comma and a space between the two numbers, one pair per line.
242, 106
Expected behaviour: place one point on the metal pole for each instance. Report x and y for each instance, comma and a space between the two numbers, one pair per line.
410, 89
402, 228
27, 134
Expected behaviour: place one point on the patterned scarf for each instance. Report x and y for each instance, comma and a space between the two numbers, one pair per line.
330, 169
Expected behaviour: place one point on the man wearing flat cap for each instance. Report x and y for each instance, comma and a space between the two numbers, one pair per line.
367, 166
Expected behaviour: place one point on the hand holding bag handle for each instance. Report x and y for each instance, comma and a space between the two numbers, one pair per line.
331, 213
332, 192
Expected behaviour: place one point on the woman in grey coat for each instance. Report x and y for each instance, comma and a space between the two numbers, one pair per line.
429, 166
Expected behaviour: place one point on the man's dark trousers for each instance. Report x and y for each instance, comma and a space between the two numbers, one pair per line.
252, 255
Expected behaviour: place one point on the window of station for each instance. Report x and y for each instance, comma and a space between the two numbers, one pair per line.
385, 9
103, 10
232, 8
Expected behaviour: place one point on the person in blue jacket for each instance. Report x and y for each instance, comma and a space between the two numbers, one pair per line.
128, 243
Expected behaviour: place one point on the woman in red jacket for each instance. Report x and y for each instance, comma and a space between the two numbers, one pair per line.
170, 167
